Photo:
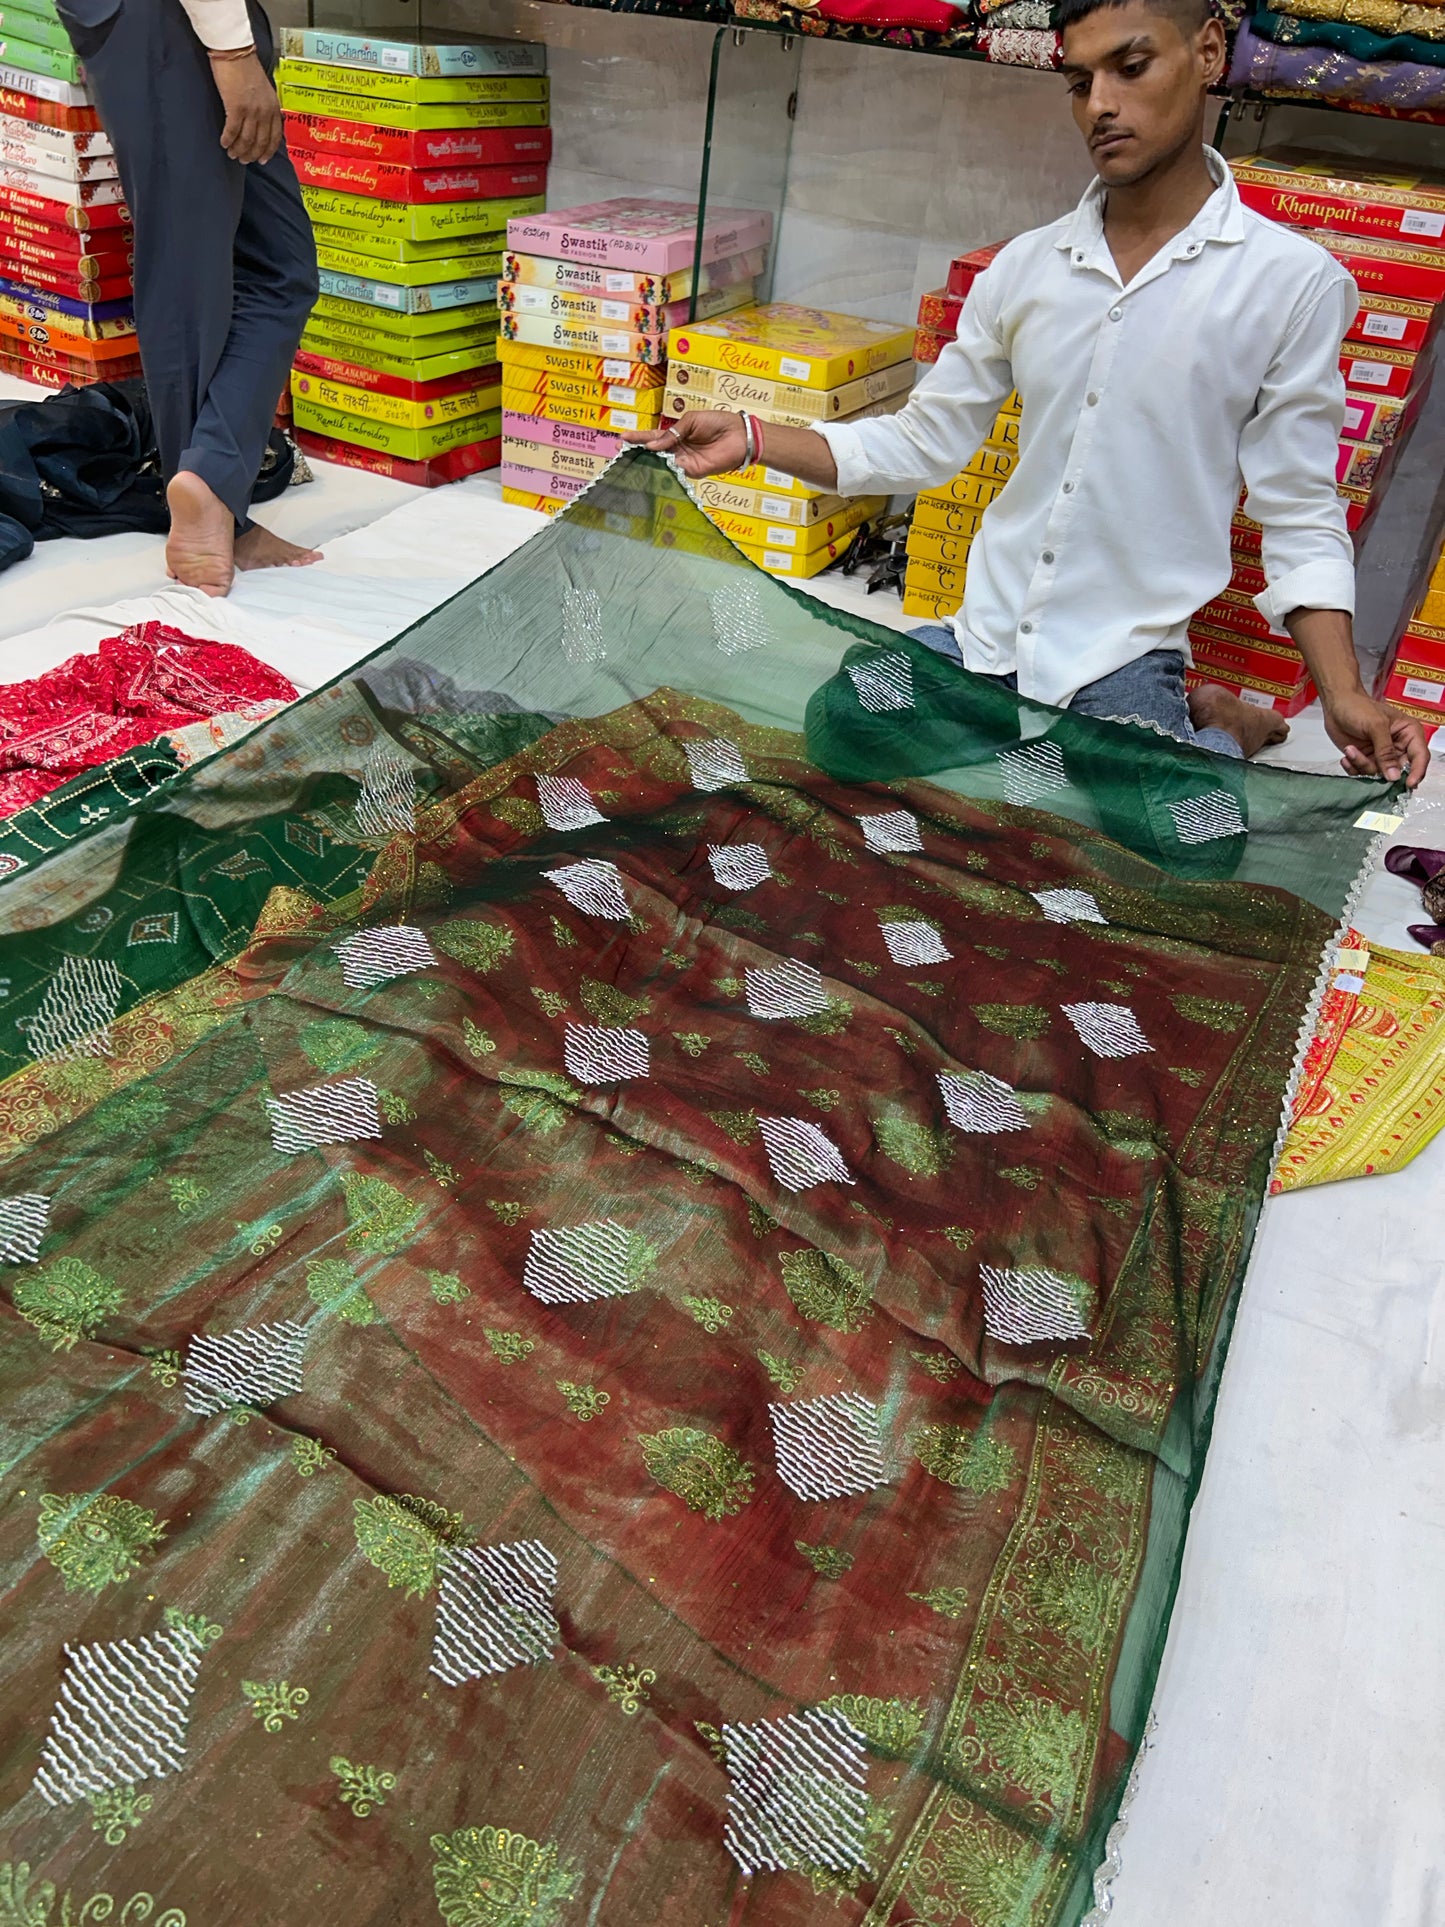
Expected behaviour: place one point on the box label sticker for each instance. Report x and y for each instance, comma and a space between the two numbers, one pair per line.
1369, 374
793, 369
1420, 691
781, 538
1415, 220
1385, 327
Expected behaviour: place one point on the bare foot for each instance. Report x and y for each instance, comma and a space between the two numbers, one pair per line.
258, 548
199, 550
1254, 729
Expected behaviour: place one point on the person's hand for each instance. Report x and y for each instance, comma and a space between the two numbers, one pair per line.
1375, 741
253, 129
710, 441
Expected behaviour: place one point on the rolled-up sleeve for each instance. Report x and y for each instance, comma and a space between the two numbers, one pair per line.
1287, 456
222, 25
946, 420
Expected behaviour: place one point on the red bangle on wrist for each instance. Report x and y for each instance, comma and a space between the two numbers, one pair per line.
757, 436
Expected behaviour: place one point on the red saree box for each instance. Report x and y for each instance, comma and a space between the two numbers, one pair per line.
1270, 659
421, 147
938, 312
1286, 702
384, 181
352, 375
964, 269
45, 207
1309, 190
48, 113
1403, 269
929, 345
19, 251
75, 287
58, 239
1234, 609
1381, 370
54, 371
454, 465
1394, 322
1356, 465
1407, 689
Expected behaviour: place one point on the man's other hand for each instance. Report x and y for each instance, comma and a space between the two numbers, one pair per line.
708, 442
253, 129
1375, 741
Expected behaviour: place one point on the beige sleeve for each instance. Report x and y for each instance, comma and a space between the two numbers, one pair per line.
221, 24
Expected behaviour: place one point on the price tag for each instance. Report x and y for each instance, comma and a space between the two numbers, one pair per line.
1385, 327
1349, 983
1416, 220
1378, 820
1370, 374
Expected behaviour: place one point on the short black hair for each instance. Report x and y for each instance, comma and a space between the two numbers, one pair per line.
1188, 15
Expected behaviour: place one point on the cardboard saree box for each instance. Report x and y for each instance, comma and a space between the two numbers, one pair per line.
578, 364
407, 221
808, 347
416, 444
433, 297
485, 379
1313, 190
462, 266
399, 411
412, 116
658, 237
321, 134
420, 185
726, 390
453, 465
427, 55
634, 284
407, 89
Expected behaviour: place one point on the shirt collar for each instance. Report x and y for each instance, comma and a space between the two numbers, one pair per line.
1220, 219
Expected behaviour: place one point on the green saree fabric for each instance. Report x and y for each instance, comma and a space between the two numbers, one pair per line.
620, 1233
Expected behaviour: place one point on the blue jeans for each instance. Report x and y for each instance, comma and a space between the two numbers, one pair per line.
1151, 688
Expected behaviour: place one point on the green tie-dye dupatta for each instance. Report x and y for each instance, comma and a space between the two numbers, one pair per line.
618, 1246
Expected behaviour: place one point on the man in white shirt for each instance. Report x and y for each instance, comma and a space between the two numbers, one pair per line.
225, 266
1167, 345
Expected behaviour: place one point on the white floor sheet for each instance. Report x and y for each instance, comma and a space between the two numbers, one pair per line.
1298, 1773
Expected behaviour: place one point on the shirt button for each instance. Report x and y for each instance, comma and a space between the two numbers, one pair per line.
1048, 556
1116, 314
1092, 400
1068, 488
1026, 628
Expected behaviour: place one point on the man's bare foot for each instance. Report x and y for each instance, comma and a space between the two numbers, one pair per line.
1254, 729
258, 548
200, 547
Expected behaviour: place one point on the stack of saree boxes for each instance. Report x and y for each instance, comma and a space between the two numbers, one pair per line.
1388, 232
412, 159
66, 312
946, 519
589, 295
798, 367
1413, 678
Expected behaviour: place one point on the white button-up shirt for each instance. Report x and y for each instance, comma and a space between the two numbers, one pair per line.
1144, 409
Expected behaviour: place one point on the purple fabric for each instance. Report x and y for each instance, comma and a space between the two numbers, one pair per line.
1399, 86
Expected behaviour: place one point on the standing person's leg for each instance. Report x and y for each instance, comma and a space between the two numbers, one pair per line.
274, 287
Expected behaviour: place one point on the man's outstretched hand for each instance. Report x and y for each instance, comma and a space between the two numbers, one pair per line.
708, 442
1375, 741
253, 129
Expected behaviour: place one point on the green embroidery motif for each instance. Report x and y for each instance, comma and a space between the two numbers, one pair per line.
863, 967
940, 1365
552, 1001
892, 1727
521, 814
1075, 1599
1214, 1013
759, 1066
694, 1042
205, 1632
822, 1100
446, 1175
187, 1195
760, 1222
786, 1377
740, 1126
1013, 1020
922, 1151
65, 1300
94, 1539
381, 1218
406, 1539
477, 1041
606, 1004
562, 936
487, 1877
641, 1260
447, 1288
1036, 1742
705, 1472
829, 1562
166, 1367
1187, 1075
987, 1871
537, 1098
115, 1812
583, 1401
506, 1210
476, 946
337, 1044
274, 1701
958, 1235
711, 1313
730, 987
826, 1289
626, 1686
901, 1038
835, 1016
975, 1461
1135, 1136
362, 1788
310, 1456
950, 1601
261, 1238
24, 1905
1025, 1176
334, 1286
510, 1347
395, 1109
133, 1113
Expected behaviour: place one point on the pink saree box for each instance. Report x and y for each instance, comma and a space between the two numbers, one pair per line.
656, 237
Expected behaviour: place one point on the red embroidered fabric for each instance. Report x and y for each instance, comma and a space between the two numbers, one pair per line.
135, 686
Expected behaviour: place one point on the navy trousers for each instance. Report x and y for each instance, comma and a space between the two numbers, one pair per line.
225, 265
